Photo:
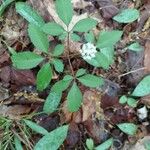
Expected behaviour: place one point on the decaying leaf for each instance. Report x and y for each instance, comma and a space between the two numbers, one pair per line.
42, 8
107, 8
90, 106
15, 111
147, 56
146, 100
141, 144
4, 93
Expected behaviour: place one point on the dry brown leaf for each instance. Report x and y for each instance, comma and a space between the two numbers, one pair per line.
42, 8
146, 100
15, 111
108, 9
147, 57
93, 130
80, 4
90, 106
73, 136
74, 47
49, 5
4, 93
140, 144
67, 116
4, 58
22, 77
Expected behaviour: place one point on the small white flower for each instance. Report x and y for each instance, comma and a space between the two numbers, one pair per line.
88, 51
142, 113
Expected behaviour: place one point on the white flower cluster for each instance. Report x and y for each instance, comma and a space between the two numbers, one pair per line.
88, 51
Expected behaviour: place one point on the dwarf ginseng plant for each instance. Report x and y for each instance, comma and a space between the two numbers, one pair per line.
98, 52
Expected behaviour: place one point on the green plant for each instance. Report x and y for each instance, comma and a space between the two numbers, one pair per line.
6, 134
50, 140
128, 128
90, 144
97, 51
4, 5
12, 132
127, 16
142, 89
53, 139
104, 146
38, 32
28, 60
130, 101
135, 47
104, 49
147, 145
74, 97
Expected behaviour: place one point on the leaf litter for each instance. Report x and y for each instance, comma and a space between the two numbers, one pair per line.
100, 111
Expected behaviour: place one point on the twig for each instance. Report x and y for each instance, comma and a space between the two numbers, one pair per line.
133, 71
18, 136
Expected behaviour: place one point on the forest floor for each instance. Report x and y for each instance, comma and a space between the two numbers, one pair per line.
101, 111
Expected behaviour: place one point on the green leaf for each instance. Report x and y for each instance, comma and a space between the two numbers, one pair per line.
100, 60
105, 145
127, 16
85, 25
90, 144
53, 29
17, 142
52, 140
58, 65
147, 145
74, 98
105, 40
67, 77
89, 37
123, 99
52, 102
29, 14
64, 10
143, 88
59, 49
80, 72
135, 47
38, 38
11, 50
63, 36
44, 77
91, 80
132, 102
61, 85
35, 127
4, 5
26, 60
75, 37
128, 128
109, 54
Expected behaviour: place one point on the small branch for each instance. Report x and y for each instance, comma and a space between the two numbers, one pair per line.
133, 71
109, 6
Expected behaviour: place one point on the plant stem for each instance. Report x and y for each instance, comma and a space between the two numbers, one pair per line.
68, 48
